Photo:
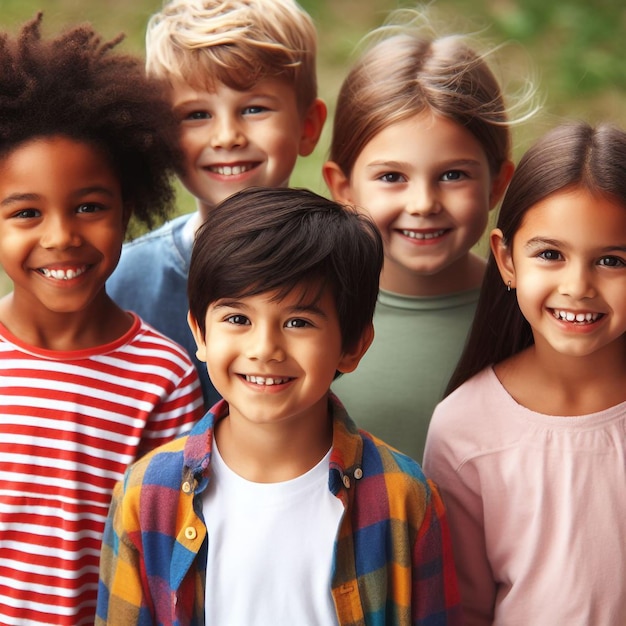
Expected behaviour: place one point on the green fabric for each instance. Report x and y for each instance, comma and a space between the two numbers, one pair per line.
417, 343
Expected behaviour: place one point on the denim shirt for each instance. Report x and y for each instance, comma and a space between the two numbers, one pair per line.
151, 280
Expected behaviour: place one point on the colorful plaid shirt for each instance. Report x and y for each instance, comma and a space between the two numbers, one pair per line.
392, 565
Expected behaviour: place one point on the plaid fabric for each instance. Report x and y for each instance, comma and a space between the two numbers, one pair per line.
393, 563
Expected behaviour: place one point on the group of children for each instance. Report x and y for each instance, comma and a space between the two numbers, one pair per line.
207, 380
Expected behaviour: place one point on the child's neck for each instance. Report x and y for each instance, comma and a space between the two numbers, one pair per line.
565, 385
198, 218
64, 332
464, 274
272, 453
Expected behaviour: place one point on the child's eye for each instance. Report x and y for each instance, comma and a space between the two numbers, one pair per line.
452, 175
392, 177
254, 109
550, 255
89, 207
27, 214
197, 115
297, 323
239, 320
612, 261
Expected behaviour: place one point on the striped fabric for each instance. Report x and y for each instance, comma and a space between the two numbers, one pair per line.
393, 565
70, 423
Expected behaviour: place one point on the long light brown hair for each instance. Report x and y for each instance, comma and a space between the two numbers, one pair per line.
405, 70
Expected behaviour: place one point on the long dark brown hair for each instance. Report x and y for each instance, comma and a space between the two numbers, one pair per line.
574, 155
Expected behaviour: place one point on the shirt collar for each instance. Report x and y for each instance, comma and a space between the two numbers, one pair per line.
345, 457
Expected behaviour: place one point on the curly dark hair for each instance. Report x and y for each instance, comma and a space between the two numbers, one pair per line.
75, 87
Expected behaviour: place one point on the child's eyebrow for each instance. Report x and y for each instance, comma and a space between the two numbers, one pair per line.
388, 164
444, 164
85, 191
19, 197
229, 304
263, 94
311, 309
536, 242
33, 197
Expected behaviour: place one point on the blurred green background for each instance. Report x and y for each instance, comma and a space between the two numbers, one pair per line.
574, 51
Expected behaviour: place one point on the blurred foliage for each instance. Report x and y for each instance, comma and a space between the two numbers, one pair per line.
574, 49
584, 41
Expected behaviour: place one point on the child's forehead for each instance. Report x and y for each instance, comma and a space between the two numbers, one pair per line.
78, 157
209, 85
305, 295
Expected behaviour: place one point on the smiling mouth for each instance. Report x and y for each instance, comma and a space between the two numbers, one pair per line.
231, 170
576, 318
61, 274
266, 381
412, 234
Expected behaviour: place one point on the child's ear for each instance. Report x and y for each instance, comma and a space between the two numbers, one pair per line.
198, 336
350, 359
312, 127
337, 182
503, 256
500, 182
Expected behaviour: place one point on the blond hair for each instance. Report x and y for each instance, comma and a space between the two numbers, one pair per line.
405, 70
234, 42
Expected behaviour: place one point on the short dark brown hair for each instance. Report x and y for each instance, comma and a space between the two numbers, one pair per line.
263, 240
74, 86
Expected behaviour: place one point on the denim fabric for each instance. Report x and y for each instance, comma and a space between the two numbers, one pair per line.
151, 280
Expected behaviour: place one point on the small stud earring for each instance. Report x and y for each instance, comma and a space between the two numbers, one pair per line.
508, 286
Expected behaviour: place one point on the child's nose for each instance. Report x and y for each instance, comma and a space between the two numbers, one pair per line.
265, 345
227, 134
577, 282
423, 200
59, 233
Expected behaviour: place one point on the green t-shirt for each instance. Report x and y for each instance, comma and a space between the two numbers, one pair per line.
417, 343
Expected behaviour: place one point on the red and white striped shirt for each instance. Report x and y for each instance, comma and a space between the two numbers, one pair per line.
70, 423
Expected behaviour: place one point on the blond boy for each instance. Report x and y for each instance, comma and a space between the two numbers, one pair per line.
243, 85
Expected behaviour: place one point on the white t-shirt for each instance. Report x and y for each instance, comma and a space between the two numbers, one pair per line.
536, 505
270, 548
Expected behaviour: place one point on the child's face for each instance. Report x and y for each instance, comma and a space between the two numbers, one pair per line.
61, 223
568, 265
274, 360
426, 183
237, 139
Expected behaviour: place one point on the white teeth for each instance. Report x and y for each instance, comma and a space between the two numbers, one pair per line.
569, 316
260, 380
63, 274
414, 235
230, 170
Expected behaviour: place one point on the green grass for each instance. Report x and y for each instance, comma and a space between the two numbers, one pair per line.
575, 47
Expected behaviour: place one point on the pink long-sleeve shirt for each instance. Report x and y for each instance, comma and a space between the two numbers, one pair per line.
537, 507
